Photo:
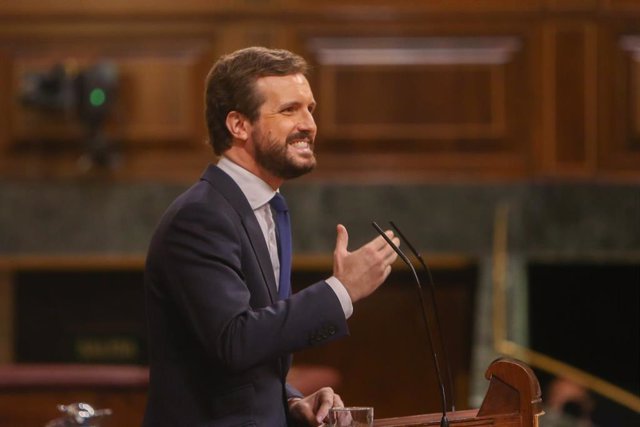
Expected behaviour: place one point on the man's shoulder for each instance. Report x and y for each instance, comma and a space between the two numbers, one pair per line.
201, 196
214, 199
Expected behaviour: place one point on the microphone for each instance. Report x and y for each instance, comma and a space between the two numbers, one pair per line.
436, 312
444, 421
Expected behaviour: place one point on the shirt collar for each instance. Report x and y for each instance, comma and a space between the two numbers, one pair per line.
257, 192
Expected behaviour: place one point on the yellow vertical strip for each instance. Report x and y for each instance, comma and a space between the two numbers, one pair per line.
499, 274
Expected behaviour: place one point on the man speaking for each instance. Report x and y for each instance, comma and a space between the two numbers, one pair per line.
222, 320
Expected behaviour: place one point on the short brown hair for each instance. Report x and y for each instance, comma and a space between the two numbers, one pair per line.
230, 86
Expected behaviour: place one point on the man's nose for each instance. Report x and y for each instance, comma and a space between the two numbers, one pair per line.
307, 122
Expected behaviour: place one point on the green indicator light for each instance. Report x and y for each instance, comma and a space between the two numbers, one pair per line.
97, 97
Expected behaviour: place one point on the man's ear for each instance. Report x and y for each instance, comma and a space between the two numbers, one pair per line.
238, 125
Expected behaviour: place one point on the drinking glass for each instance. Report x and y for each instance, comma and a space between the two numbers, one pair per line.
355, 416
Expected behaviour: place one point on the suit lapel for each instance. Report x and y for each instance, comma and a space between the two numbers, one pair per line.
230, 190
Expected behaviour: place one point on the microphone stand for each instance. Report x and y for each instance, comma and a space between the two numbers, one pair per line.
444, 421
435, 310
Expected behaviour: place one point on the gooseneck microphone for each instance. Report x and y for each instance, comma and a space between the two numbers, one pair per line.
432, 293
444, 421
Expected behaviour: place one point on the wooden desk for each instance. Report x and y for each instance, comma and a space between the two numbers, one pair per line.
513, 400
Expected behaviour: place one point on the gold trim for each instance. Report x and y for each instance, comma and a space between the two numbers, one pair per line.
499, 273
576, 375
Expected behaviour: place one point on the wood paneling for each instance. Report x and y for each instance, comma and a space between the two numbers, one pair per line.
426, 88
571, 5
620, 94
631, 47
211, 7
407, 90
570, 89
422, 103
131, 7
158, 111
622, 5
157, 99
378, 7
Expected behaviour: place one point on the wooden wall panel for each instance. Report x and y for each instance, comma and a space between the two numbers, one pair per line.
422, 96
622, 5
570, 104
6, 103
211, 7
407, 90
626, 140
156, 130
571, 5
158, 97
375, 7
619, 153
132, 7
409, 102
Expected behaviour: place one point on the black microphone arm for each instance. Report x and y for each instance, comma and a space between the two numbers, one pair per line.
444, 421
432, 292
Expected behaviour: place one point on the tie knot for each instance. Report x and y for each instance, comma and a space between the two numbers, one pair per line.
278, 203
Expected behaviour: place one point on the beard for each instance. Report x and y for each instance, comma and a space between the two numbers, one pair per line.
275, 157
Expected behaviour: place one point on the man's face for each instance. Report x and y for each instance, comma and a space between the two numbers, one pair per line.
284, 133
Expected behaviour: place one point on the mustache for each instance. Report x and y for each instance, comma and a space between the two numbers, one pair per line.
300, 135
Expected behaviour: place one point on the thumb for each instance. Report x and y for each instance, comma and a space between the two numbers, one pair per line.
342, 239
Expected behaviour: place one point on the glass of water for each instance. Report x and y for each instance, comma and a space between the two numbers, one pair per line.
354, 416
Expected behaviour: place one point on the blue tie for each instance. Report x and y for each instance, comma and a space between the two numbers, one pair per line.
283, 227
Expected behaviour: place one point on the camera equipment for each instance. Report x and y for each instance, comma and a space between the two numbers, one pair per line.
87, 94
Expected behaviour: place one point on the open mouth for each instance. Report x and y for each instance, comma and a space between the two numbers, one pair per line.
302, 145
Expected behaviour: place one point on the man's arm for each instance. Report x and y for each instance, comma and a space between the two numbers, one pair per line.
313, 409
203, 257
361, 272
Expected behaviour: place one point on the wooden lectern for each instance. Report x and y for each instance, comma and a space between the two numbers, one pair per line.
512, 400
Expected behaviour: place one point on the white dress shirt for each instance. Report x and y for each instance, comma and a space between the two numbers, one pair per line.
259, 193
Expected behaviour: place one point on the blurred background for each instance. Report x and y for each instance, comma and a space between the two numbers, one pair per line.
502, 136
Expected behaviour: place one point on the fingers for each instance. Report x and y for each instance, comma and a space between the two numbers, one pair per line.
380, 243
365, 269
387, 272
327, 400
387, 253
337, 401
323, 412
314, 408
390, 257
302, 411
342, 239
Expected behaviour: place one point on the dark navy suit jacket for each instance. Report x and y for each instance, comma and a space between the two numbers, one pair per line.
219, 339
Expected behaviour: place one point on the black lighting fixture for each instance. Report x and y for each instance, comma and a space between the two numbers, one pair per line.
87, 94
